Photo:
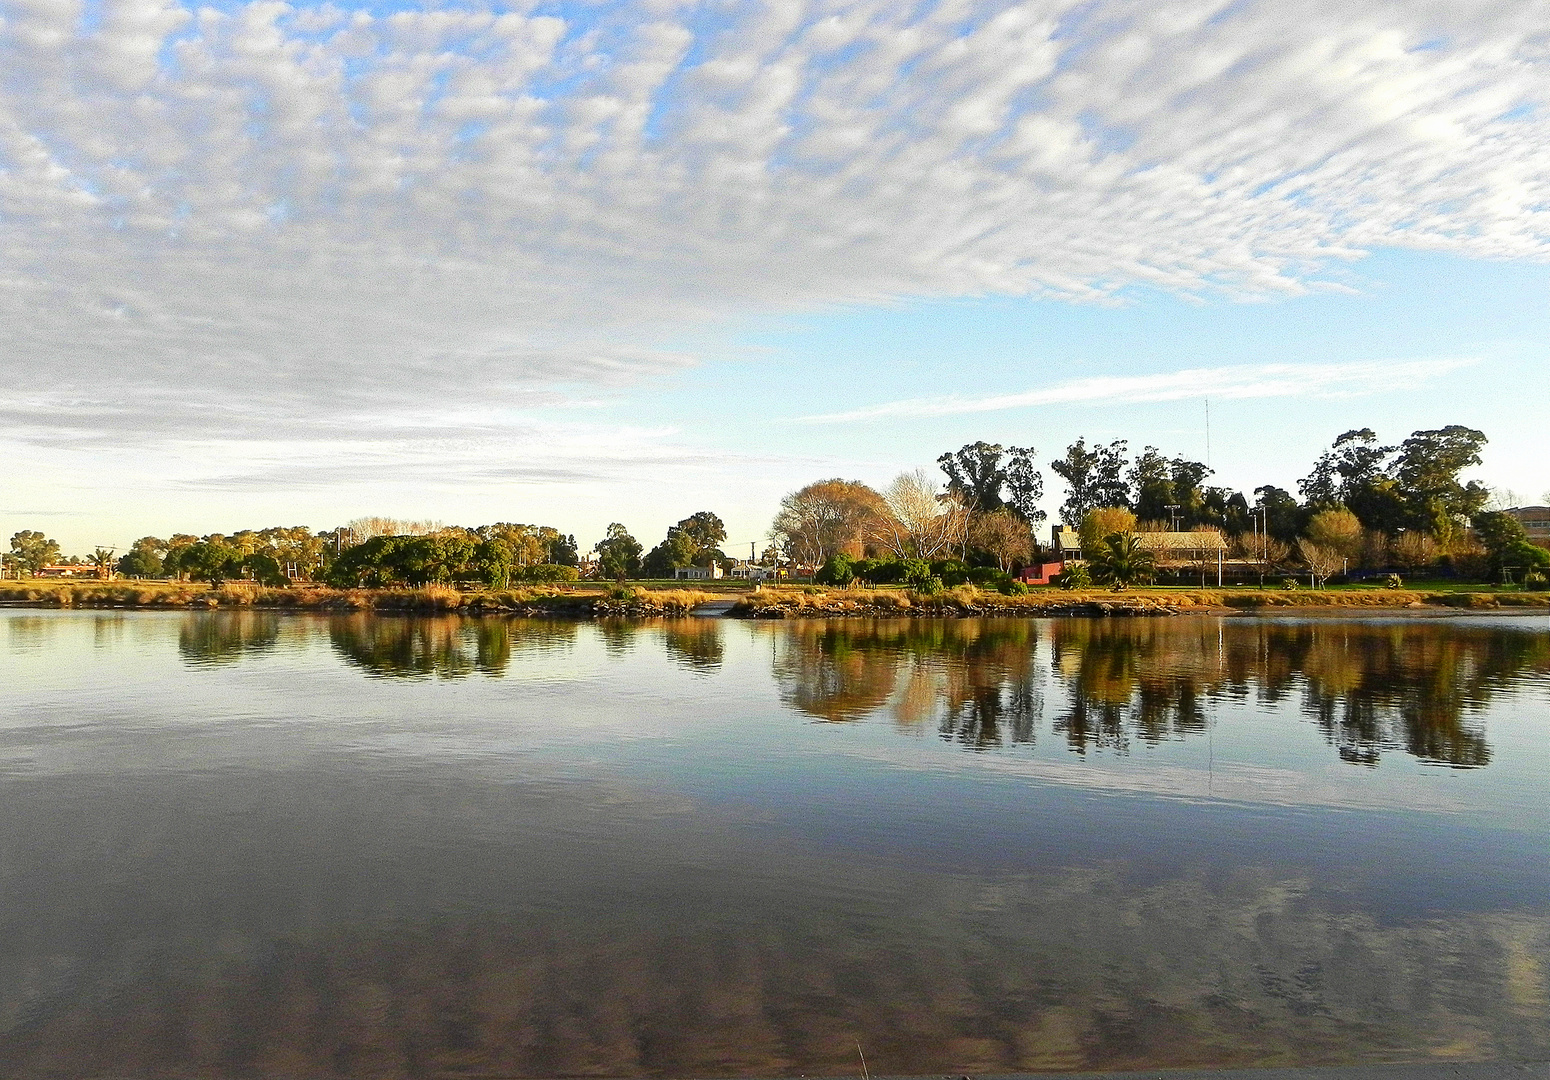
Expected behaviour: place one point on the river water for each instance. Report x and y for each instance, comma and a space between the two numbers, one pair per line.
246, 844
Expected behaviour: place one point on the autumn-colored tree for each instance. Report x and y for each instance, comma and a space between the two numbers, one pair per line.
1100, 523
1337, 529
825, 518
1004, 535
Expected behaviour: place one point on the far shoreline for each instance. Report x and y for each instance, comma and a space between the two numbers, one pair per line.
596, 600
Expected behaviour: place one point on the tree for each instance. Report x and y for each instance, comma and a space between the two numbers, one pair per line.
921, 523
674, 552
102, 559
265, 569
1264, 553
1414, 550
1283, 515
827, 517
618, 553
692, 542
1151, 478
1119, 560
1024, 485
1337, 529
1095, 478
1104, 521
1507, 543
1427, 470
33, 551
210, 559
143, 559
975, 475
1356, 473
1004, 535
1322, 562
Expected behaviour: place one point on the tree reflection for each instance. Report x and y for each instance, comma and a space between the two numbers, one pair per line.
971, 678
447, 647
1417, 687
696, 643
221, 637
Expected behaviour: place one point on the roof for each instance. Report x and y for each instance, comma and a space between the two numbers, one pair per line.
1182, 541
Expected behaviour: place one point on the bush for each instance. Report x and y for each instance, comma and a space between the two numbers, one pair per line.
1012, 587
1076, 576
1393, 581
839, 569
931, 585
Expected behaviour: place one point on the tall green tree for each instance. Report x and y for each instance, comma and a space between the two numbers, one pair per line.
32, 551
618, 553
975, 474
143, 559
1428, 468
1094, 476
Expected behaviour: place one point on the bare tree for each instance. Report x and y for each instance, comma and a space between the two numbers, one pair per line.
921, 523
363, 529
1005, 536
1414, 550
826, 517
1322, 562
1265, 554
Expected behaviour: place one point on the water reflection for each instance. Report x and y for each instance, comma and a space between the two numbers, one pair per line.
695, 643
220, 637
638, 871
445, 647
1417, 687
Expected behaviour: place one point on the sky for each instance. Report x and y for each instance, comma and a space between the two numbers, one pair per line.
588, 262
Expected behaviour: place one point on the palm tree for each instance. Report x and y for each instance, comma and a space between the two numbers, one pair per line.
1120, 560
102, 559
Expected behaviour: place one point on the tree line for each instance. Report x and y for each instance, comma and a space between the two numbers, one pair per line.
1363, 504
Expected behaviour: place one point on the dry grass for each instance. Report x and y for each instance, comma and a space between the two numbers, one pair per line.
781, 602
968, 600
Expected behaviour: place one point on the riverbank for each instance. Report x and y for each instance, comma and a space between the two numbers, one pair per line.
597, 600
537, 601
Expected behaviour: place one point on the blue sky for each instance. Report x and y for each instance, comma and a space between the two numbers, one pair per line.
583, 263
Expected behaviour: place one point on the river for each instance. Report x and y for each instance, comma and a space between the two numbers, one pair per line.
251, 844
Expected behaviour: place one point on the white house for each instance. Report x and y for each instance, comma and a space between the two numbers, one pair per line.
712, 572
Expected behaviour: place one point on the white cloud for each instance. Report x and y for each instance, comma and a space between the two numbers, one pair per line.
260, 221
1234, 383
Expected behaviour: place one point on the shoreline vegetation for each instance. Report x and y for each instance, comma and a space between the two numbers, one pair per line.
586, 601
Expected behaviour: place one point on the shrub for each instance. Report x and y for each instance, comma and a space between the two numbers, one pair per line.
838, 569
1013, 587
930, 586
1075, 576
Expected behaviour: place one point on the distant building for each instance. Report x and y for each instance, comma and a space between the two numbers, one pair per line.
1535, 521
1065, 543
712, 572
68, 570
1039, 573
745, 571
1199, 551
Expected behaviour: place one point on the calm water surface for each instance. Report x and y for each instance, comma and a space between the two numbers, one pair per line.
244, 844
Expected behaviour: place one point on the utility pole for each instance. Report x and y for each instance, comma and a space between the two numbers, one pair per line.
1173, 516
